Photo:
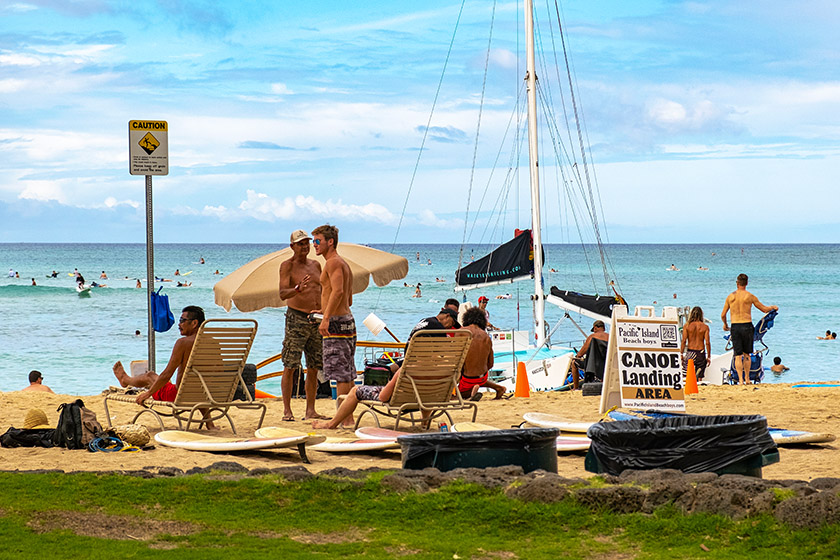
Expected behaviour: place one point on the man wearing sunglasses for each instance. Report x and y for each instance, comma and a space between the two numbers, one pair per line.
338, 327
159, 386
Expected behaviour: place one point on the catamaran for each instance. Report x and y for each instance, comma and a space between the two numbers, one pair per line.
523, 257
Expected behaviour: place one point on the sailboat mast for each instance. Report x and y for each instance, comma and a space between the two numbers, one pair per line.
531, 87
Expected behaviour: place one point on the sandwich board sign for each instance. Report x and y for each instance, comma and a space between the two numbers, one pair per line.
148, 147
643, 368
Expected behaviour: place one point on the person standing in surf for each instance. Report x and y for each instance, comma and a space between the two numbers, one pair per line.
739, 305
338, 327
302, 297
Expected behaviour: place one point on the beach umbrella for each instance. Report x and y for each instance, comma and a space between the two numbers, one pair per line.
255, 285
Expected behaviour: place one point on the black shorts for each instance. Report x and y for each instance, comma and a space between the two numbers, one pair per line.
741, 337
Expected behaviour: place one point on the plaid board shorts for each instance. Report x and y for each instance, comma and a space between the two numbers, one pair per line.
340, 349
302, 337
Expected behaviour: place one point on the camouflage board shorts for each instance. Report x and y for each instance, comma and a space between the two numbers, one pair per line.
302, 336
368, 392
340, 349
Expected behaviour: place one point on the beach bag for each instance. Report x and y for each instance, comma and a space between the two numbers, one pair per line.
76, 427
16, 437
377, 373
162, 317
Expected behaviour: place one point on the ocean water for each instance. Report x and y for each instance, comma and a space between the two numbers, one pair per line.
74, 341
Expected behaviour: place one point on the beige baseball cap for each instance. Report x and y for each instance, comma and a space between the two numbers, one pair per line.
298, 235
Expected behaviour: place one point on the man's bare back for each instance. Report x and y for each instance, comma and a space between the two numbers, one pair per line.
479, 358
696, 336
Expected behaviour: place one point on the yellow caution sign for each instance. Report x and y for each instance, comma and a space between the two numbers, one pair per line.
148, 147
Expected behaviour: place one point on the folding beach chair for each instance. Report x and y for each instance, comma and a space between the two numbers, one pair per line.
210, 378
757, 357
429, 377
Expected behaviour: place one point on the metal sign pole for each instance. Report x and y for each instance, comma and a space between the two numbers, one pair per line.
148, 154
150, 269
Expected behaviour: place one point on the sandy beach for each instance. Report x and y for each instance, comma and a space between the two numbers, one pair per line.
811, 409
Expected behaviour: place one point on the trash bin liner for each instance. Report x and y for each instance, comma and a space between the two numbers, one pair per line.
689, 443
532, 449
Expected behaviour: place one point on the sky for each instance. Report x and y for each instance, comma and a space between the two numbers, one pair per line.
706, 121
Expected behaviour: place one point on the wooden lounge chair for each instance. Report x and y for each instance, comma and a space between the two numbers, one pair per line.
428, 381
210, 378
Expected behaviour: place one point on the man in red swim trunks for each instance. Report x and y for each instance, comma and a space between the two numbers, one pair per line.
479, 359
159, 386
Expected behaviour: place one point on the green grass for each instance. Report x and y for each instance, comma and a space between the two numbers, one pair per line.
54, 515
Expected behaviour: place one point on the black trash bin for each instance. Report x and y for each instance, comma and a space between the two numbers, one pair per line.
732, 444
531, 449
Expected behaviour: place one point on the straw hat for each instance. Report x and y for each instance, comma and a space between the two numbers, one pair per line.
135, 434
36, 419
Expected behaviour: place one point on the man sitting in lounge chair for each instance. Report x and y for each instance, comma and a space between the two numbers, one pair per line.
479, 359
381, 393
159, 386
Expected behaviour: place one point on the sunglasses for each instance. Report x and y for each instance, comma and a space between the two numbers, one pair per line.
183, 320
316, 241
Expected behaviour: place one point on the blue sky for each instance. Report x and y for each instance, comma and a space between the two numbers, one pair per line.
709, 121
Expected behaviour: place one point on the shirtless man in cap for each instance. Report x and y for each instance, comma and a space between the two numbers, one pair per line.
302, 295
739, 305
338, 328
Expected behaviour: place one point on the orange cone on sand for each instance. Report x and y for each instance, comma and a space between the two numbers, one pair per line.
690, 379
522, 388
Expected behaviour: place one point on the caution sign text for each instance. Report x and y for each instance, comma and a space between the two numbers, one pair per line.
148, 147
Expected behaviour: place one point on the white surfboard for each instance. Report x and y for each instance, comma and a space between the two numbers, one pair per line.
545, 420
566, 444
792, 437
472, 427
272, 432
342, 445
370, 432
200, 442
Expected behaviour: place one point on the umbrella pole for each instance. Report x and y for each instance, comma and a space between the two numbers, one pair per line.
393, 335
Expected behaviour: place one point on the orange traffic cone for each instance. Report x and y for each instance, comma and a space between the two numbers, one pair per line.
522, 388
690, 379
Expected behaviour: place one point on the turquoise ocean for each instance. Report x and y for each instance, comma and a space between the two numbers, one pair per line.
74, 341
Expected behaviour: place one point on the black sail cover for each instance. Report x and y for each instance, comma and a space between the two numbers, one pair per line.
512, 261
602, 305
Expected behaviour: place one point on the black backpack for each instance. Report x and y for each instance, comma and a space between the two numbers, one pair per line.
76, 426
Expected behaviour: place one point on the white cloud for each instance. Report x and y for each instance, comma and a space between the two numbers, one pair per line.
11, 85
266, 208
280, 89
112, 202
687, 116
503, 58
17, 59
43, 191
429, 218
